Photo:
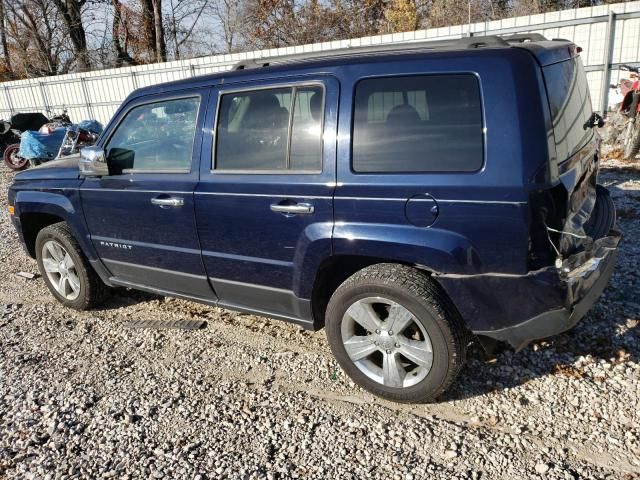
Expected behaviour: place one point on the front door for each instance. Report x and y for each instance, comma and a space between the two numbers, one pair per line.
264, 205
141, 216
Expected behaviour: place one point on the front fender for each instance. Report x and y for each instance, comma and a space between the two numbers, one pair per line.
64, 204
44, 202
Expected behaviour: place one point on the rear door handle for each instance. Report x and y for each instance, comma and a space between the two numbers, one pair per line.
170, 202
296, 208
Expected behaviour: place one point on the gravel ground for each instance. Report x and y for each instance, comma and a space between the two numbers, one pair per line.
82, 395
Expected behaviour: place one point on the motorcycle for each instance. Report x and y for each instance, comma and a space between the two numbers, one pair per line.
52, 141
629, 106
11, 133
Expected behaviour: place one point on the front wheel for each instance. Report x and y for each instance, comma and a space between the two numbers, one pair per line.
396, 334
66, 270
13, 160
632, 138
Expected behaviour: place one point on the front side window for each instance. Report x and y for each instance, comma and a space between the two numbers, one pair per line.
274, 129
428, 123
154, 137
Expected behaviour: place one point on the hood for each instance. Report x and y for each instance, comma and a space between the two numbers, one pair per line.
65, 168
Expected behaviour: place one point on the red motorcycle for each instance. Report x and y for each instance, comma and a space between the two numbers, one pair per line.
630, 108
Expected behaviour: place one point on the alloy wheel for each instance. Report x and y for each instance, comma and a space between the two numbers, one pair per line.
60, 270
386, 342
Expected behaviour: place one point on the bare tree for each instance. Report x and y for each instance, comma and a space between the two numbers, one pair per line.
183, 18
148, 29
161, 47
231, 15
119, 29
39, 43
401, 16
358, 18
280, 23
153, 30
8, 69
71, 13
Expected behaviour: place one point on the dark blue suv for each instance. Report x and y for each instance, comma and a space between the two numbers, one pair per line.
407, 199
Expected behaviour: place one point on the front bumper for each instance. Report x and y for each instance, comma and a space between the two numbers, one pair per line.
520, 308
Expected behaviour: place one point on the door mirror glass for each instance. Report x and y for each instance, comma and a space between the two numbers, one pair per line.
93, 162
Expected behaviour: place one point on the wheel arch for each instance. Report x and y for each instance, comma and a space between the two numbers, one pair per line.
32, 223
334, 270
440, 251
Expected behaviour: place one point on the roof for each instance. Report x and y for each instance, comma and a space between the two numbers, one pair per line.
545, 51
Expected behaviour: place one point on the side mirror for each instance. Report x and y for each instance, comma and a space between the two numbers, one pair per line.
93, 162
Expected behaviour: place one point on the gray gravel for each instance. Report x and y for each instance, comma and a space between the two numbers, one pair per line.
84, 396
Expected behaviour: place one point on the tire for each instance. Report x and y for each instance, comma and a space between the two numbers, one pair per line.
55, 244
12, 160
433, 320
632, 138
603, 217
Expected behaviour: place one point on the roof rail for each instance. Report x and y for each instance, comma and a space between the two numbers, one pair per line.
458, 43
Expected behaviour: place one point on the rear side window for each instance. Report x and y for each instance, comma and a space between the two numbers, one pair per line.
570, 106
271, 129
429, 123
155, 137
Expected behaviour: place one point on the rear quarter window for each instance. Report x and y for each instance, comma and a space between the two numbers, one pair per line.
570, 106
427, 123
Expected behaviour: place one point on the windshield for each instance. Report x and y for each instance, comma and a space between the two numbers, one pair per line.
570, 106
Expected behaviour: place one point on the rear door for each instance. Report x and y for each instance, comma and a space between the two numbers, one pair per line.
264, 202
141, 216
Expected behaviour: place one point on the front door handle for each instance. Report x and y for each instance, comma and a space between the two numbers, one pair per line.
293, 209
170, 202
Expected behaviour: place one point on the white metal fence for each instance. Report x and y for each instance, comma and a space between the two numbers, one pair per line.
608, 34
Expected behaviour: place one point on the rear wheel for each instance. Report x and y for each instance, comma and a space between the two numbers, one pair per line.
632, 138
396, 334
13, 160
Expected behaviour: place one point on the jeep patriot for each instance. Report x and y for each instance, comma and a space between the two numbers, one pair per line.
406, 198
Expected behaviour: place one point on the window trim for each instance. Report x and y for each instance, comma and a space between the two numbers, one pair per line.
294, 86
129, 171
420, 172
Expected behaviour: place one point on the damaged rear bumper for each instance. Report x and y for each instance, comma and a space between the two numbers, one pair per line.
520, 308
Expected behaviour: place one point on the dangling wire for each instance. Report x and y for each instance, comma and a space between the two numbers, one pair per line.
565, 233
553, 244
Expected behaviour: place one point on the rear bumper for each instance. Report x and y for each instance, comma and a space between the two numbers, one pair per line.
584, 285
520, 308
